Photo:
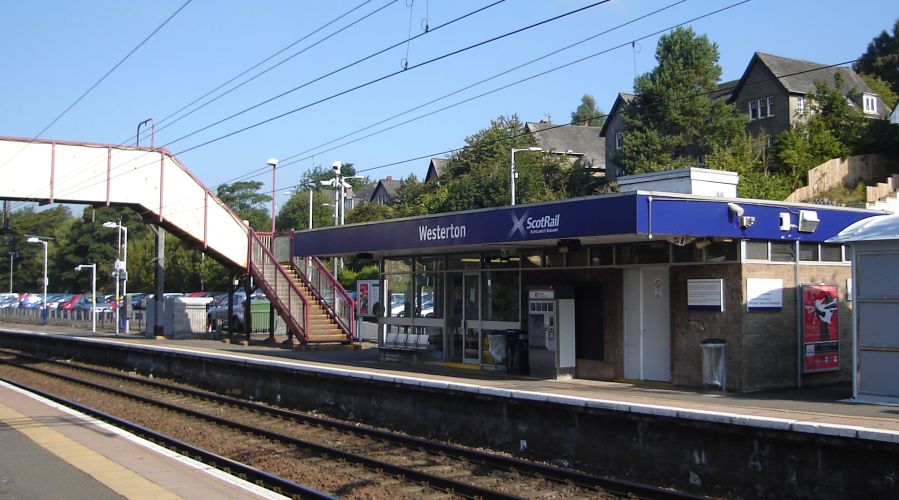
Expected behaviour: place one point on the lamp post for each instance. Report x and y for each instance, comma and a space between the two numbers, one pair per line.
93, 293
120, 269
12, 256
44, 311
512, 170
310, 187
273, 162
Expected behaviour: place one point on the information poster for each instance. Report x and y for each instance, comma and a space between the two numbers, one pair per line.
705, 294
764, 294
820, 328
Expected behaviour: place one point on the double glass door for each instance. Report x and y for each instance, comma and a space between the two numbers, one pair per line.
463, 318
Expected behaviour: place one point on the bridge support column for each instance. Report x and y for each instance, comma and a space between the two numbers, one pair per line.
247, 309
158, 304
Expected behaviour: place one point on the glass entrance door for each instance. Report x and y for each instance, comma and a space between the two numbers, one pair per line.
471, 318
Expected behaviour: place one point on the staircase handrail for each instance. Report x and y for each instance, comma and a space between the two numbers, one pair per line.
294, 295
340, 306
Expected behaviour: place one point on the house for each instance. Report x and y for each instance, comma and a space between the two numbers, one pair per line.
774, 92
894, 116
577, 142
385, 191
612, 132
435, 169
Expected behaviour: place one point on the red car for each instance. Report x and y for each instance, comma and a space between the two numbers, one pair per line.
68, 305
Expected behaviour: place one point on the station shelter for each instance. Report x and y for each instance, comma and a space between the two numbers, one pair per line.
620, 286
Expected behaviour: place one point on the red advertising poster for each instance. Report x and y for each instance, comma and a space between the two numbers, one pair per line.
363, 299
820, 328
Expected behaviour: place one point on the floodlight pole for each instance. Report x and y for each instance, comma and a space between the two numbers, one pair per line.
93, 293
514, 173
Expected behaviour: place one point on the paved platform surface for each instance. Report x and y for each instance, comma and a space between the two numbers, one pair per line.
53, 452
824, 410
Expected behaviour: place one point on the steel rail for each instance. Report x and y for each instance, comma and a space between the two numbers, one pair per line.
271, 481
551, 472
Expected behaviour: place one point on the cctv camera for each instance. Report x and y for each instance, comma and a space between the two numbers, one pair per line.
736, 209
336, 166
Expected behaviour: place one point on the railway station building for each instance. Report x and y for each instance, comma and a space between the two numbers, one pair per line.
621, 286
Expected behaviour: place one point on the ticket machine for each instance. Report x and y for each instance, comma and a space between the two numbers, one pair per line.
551, 332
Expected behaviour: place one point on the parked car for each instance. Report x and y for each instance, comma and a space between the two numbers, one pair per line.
218, 313
69, 304
84, 304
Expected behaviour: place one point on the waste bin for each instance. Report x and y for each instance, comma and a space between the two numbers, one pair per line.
514, 355
714, 363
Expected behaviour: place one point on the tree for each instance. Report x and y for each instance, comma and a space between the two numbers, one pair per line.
672, 120
588, 113
245, 199
881, 59
28, 267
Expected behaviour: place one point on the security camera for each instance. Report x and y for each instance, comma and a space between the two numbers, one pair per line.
735, 209
336, 166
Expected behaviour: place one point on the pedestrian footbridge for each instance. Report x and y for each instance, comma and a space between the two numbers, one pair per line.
155, 184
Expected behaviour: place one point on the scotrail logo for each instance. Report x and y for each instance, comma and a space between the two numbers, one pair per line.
526, 226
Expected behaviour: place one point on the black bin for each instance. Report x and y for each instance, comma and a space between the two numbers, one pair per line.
517, 342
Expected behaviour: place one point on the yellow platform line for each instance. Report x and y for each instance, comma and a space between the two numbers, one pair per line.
117, 478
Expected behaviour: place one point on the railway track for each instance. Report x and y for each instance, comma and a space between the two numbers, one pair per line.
326, 455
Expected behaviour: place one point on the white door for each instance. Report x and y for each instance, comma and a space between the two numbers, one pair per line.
647, 333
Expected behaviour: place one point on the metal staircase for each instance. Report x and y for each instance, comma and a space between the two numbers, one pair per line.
307, 297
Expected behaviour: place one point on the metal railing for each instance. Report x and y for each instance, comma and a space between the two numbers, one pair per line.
64, 317
328, 290
278, 286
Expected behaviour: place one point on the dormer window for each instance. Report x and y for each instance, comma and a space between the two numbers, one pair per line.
870, 103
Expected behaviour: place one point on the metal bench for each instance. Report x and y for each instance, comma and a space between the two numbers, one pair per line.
398, 346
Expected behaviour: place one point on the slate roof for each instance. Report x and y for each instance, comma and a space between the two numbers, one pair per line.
577, 139
620, 100
389, 185
435, 168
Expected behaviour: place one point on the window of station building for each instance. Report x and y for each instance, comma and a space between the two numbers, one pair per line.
722, 251
399, 295
686, 253
576, 259
502, 260
809, 252
429, 295
403, 265
655, 252
464, 261
429, 264
552, 258
602, 256
782, 251
500, 296
531, 259
831, 253
756, 250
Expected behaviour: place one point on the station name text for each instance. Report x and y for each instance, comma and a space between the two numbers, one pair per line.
452, 231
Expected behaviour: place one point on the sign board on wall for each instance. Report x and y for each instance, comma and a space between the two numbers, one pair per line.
820, 328
764, 294
368, 296
705, 294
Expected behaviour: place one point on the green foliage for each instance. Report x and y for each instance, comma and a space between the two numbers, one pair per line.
881, 59
881, 88
370, 212
672, 120
294, 214
247, 202
588, 113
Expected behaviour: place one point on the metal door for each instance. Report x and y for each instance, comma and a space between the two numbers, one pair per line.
647, 332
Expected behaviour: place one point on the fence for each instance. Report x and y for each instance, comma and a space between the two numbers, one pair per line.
71, 318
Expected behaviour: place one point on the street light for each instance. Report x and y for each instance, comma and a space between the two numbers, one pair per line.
93, 293
44, 311
512, 170
12, 256
273, 162
120, 269
310, 187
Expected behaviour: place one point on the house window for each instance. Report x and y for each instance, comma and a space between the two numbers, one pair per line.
761, 108
870, 103
800, 105
769, 141
619, 140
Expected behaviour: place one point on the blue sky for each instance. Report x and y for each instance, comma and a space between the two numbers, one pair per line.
55, 50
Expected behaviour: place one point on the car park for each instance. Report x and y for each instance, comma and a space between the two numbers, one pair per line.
217, 315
